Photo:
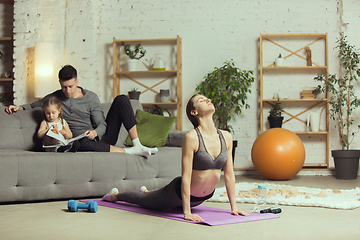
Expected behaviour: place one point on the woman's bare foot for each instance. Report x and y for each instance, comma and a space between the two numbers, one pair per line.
111, 196
114, 196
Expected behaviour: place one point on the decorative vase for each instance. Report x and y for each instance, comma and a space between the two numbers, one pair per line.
132, 64
134, 95
164, 95
313, 119
346, 163
275, 122
279, 62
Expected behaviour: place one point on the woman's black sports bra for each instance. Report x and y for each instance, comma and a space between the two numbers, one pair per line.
203, 160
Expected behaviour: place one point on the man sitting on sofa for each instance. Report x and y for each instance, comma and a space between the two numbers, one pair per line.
82, 110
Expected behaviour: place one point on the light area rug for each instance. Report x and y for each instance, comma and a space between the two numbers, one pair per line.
293, 196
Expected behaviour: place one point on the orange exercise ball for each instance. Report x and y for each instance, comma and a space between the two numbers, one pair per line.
278, 154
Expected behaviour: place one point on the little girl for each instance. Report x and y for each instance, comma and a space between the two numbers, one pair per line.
55, 122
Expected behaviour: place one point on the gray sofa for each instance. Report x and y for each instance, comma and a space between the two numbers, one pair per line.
28, 174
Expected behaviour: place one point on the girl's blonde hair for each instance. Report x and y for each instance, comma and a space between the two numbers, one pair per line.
52, 101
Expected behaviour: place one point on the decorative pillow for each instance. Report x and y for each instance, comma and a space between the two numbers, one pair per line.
152, 129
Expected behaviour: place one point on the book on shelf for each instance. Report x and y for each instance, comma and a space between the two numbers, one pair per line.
63, 142
307, 94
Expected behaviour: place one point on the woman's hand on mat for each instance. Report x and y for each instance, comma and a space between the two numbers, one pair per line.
238, 212
193, 217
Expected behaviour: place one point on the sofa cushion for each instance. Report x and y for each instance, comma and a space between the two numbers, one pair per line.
21, 129
152, 129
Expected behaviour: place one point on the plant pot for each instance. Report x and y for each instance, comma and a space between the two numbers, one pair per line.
346, 163
134, 95
132, 64
275, 122
279, 62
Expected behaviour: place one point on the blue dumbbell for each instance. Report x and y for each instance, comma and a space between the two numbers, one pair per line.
91, 206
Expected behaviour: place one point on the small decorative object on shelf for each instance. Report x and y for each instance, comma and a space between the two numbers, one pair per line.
134, 94
134, 54
313, 119
7, 74
308, 93
279, 61
164, 95
159, 63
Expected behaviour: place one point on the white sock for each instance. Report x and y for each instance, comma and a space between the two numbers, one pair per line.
107, 197
136, 142
143, 189
139, 149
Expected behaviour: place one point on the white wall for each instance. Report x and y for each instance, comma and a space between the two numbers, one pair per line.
212, 32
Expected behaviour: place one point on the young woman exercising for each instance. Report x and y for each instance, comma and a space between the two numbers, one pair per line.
205, 151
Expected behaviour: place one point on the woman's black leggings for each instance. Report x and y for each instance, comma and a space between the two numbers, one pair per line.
164, 198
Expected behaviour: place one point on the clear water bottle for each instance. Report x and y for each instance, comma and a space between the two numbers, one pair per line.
260, 199
261, 194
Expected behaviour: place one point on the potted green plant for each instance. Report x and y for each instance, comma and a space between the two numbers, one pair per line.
275, 118
134, 94
134, 55
343, 102
227, 87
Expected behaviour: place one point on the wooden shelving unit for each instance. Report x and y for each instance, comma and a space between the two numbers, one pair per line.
279, 40
119, 75
6, 45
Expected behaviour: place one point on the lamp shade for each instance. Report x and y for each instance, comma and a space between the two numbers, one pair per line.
44, 68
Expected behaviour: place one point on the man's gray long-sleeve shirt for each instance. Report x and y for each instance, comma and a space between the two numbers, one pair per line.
82, 113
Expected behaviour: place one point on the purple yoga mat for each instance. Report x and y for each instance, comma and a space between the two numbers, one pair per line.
212, 216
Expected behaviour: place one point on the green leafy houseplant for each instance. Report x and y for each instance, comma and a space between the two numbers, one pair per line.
227, 87
134, 53
343, 100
